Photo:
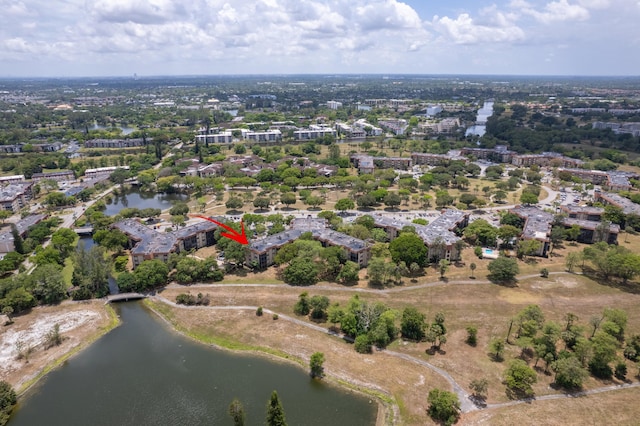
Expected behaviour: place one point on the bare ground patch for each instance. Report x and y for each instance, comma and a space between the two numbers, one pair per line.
78, 322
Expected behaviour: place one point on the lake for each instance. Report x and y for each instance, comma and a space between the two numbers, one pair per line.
143, 373
133, 198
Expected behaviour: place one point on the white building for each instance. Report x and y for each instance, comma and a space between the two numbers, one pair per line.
334, 104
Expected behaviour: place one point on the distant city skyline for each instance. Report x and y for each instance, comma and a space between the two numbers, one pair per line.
73, 38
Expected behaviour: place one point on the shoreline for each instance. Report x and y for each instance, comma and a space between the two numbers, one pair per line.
114, 321
387, 412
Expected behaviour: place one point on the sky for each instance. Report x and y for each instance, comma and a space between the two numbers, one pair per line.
69, 38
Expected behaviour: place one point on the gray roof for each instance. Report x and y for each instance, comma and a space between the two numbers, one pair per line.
319, 230
336, 238
627, 206
538, 222
151, 241
309, 223
6, 237
589, 224
441, 228
275, 241
574, 208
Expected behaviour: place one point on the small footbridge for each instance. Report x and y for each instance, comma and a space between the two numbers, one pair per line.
125, 297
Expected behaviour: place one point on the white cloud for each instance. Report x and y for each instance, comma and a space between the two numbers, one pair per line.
387, 14
555, 11
493, 26
305, 35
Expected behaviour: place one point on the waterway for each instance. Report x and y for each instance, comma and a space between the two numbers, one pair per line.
483, 115
143, 373
125, 130
133, 198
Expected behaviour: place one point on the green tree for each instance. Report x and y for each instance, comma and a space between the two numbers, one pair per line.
444, 406
519, 378
443, 266
234, 203
8, 400
48, 285
349, 273
150, 274
275, 412
408, 248
111, 239
479, 388
18, 243
569, 372
301, 272
503, 270
288, 198
473, 267
392, 199
604, 347
412, 324
362, 344
472, 335
496, 346
528, 198
261, 203
572, 259
319, 305
236, 411
573, 233
316, 365
345, 204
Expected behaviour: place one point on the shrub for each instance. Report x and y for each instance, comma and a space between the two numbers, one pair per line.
189, 299
259, 311
477, 250
275, 317
544, 273
472, 336
362, 344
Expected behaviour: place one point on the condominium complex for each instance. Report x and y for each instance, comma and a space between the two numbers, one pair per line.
115, 143
261, 253
440, 236
147, 243
15, 196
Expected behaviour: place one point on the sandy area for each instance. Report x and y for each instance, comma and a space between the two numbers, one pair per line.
78, 323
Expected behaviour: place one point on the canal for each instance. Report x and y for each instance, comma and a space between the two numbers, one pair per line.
143, 373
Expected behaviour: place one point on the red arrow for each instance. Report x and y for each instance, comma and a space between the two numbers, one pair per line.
232, 234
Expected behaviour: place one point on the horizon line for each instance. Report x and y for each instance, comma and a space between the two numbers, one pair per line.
136, 76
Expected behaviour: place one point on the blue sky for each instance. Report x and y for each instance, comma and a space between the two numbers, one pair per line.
165, 37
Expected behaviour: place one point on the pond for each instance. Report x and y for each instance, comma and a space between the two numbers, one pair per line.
134, 198
143, 373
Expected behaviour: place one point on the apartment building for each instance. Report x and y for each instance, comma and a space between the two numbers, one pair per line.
430, 159
148, 244
499, 154
60, 176
102, 171
313, 132
115, 143
546, 159
396, 125
538, 224
262, 252
440, 236
15, 196
627, 206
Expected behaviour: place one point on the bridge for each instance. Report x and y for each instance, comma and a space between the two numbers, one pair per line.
125, 297
88, 230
